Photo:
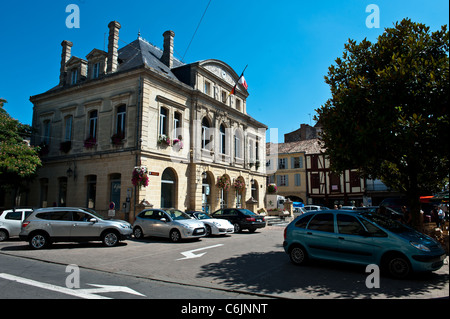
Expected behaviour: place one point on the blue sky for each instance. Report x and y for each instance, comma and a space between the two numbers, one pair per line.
288, 45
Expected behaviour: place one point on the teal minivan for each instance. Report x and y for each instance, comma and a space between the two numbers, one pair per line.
361, 237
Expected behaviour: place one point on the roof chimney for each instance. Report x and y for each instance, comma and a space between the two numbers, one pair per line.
113, 46
167, 56
65, 56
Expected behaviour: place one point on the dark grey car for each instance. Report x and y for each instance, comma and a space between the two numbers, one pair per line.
241, 218
69, 224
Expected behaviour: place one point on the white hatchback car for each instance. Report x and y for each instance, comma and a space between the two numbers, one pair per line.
214, 226
11, 222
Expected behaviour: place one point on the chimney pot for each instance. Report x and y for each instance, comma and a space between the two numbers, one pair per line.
113, 46
167, 57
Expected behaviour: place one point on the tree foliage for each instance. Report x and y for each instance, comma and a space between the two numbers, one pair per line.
388, 114
18, 161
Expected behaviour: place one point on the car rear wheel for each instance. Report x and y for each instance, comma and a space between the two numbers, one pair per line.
110, 239
298, 255
3, 235
175, 236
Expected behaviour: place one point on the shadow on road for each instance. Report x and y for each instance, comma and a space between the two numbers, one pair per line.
272, 273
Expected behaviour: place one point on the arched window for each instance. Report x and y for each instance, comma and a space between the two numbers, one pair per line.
168, 189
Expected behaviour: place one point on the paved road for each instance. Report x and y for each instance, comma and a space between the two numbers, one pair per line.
251, 264
22, 278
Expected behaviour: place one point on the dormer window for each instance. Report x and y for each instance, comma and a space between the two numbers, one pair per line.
96, 70
74, 76
96, 63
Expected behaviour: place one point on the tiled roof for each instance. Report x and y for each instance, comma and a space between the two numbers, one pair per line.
311, 146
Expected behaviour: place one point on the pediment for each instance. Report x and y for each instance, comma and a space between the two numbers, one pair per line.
74, 61
221, 70
96, 54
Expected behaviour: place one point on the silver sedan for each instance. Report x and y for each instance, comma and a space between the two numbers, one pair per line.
168, 223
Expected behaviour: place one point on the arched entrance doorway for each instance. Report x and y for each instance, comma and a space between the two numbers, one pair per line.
239, 186
207, 184
254, 189
168, 189
224, 185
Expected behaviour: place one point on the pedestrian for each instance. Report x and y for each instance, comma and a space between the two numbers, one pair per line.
406, 215
441, 216
434, 214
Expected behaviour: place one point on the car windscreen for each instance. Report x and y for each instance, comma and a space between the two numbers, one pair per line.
93, 212
386, 222
201, 216
177, 214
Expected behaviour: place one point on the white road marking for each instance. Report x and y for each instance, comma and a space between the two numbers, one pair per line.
190, 253
81, 293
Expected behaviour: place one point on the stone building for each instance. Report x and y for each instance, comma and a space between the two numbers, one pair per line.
139, 107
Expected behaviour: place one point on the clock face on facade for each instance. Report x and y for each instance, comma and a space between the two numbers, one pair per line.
224, 74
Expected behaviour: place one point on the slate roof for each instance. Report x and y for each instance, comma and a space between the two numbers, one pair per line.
142, 53
311, 146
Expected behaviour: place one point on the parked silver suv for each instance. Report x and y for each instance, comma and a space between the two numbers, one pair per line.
69, 224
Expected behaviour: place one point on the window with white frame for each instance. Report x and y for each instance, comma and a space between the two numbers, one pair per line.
177, 124
121, 120
282, 180
297, 162
93, 117
205, 133
222, 139
163, 121
282, 163
237, 144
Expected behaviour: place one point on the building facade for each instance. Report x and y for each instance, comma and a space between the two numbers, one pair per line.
301, 170
138, 108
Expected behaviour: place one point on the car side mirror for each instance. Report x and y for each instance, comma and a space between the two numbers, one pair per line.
93, 220
163, 220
